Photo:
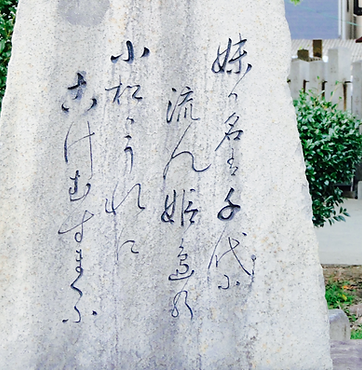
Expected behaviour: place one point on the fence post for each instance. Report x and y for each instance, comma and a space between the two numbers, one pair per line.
299, 77
339, 77
357, 89
316, 76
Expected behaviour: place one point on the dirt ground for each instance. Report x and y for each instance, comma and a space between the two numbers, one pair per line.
351, 277
343, 273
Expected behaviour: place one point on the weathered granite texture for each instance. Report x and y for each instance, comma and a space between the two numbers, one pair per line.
154, 208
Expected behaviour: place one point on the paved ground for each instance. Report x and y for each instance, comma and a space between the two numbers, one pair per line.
341, 243
347, 355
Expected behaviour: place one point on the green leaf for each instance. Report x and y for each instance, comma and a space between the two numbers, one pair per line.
2, 45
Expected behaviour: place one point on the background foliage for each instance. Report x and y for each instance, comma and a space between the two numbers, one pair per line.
338, 294
332, 147
7, 20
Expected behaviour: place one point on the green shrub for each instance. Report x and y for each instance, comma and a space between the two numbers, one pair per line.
356, 334
332, 147
337, 294
7, 19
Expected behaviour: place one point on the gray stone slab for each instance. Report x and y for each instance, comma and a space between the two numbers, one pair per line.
154, 207
339, 327
346, 355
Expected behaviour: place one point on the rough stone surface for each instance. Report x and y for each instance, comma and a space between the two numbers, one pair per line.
339, 328
154, 208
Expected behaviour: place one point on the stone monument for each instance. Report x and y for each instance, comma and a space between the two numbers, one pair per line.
154, 209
